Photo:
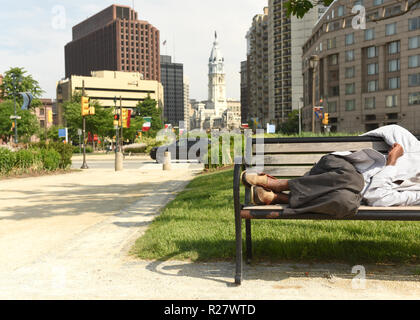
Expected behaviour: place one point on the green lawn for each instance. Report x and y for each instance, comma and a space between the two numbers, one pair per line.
199, 226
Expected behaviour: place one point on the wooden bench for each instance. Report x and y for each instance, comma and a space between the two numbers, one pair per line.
290, 158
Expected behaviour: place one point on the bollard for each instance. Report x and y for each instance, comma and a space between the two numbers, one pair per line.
119, 161
167, 162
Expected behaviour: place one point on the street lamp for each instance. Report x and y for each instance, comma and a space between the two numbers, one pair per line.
313, 64
15, 78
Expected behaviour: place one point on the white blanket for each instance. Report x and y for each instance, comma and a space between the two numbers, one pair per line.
397, 185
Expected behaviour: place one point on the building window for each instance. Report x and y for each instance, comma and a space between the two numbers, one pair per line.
333, 59
350, 72
332, 106
370, 103
378, 2
369, 34
394, 65
394, 83
414, 61
331, 43
350, 88
391, 101
394, 47
349, 55
372, 52
373, 85
350, 105
391, 29
413, 24
340, 11
349, 39
41, 111
414, 80
414, 42
414, 98
373, 68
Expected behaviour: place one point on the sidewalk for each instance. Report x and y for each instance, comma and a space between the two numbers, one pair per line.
68, 237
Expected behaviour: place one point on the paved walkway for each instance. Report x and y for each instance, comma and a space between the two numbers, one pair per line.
68, 237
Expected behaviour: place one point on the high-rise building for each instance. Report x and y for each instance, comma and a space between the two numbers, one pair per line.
286, 35
244, 92
365, 78
114, 39
257, 73
187, 103
172, 77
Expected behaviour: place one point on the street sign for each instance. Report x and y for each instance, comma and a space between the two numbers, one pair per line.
15, 118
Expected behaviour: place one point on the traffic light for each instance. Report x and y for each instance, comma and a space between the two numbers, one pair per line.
116, 120
326, 120
85, 106
92, 111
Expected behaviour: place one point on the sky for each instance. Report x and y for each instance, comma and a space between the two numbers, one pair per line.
33, 35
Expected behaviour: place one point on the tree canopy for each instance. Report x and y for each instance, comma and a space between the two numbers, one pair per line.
27, 126
299, 8
24, 83
101, 123
148, 108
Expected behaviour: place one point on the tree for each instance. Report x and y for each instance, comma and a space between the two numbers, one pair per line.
24, 83
148, 108
27, 125
299, 8
101, 123
135, 126
291, 126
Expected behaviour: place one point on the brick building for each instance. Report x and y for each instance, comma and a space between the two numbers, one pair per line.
114, 39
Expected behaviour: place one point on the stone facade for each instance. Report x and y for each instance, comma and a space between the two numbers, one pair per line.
365, 78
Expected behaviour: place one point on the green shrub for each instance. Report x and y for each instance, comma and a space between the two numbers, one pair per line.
24, 159
135, 150
51, 159
65, 151
7, 160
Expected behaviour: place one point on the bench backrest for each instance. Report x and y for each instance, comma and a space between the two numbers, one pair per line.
293, 157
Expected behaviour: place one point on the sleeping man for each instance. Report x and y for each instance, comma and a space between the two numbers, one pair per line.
341, 181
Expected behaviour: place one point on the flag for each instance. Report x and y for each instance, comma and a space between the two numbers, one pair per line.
147, 125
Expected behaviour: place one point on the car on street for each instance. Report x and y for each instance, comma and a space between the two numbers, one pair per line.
186, 150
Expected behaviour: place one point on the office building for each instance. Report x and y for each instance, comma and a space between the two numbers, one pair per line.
172, 76
244, 92
365, 78
110, 88
114, 39
257, 73
287, 35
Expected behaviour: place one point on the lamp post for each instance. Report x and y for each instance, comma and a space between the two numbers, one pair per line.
14, 79
313, 64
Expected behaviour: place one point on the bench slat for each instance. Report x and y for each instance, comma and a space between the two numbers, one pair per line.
362, 208
287, 171
291, 159
365, 213
325, 147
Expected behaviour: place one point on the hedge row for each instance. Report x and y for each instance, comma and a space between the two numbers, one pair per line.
38, 157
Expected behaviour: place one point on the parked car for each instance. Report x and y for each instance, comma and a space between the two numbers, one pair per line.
180, 150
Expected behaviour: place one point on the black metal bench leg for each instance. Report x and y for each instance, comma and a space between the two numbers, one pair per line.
238, 275
248, 242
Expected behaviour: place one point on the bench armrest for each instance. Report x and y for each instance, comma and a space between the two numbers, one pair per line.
237, 188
